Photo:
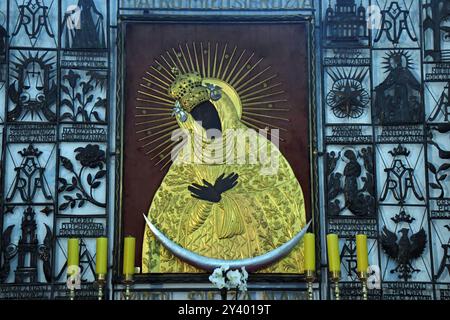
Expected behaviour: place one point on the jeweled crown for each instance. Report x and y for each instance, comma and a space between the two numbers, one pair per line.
188, 90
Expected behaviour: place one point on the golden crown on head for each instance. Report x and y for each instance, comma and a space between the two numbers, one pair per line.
188, 90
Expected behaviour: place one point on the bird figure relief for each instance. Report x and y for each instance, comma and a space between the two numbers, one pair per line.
403, 250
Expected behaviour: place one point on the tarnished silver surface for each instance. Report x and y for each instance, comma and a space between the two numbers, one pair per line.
209, 264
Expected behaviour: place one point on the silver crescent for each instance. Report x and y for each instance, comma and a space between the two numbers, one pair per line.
209, 264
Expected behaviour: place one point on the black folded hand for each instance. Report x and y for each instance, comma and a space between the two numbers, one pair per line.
212, 193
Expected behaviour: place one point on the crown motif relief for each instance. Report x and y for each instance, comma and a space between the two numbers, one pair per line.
188, 90
403, 217
400, 151
30, 152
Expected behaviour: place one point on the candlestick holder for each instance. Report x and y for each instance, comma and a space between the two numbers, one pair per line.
363, 278
335, 277
310, 277
72, 293
101, 281
128, 284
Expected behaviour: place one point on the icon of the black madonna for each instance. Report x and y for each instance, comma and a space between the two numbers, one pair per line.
212, 117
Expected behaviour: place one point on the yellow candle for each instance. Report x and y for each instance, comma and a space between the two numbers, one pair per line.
101, 256
334, 260
310, 252
129, 249
73, 252
362, 255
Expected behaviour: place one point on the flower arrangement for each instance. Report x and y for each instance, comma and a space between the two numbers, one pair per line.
224, 279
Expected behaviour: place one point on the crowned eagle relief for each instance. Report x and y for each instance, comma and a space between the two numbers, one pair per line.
404, 250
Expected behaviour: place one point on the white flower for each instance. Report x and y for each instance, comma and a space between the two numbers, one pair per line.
244, 274
217, 279
234, 278
224, 268
219, 283
217, 273
243, 286
224, 278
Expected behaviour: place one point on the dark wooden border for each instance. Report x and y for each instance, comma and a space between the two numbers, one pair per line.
313, 140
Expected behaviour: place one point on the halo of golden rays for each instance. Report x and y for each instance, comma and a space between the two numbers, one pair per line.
263, 99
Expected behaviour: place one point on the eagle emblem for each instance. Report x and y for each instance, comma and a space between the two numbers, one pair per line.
403, 250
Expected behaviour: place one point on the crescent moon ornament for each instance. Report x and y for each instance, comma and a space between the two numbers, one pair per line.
209, 264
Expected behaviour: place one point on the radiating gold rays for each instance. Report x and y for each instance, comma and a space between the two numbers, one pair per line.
263, 100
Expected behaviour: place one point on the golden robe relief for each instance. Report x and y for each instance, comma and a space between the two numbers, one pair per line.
261, 206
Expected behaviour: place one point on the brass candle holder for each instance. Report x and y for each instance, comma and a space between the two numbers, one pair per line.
128, 284
335, 277
363, 278
310, 277
101, 281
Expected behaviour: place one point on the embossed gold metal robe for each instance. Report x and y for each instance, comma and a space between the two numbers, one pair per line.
261, 213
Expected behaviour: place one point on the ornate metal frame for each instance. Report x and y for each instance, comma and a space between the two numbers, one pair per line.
417, 129
56, 132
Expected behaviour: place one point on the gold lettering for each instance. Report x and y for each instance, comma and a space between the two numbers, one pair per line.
267, 295
211, 295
